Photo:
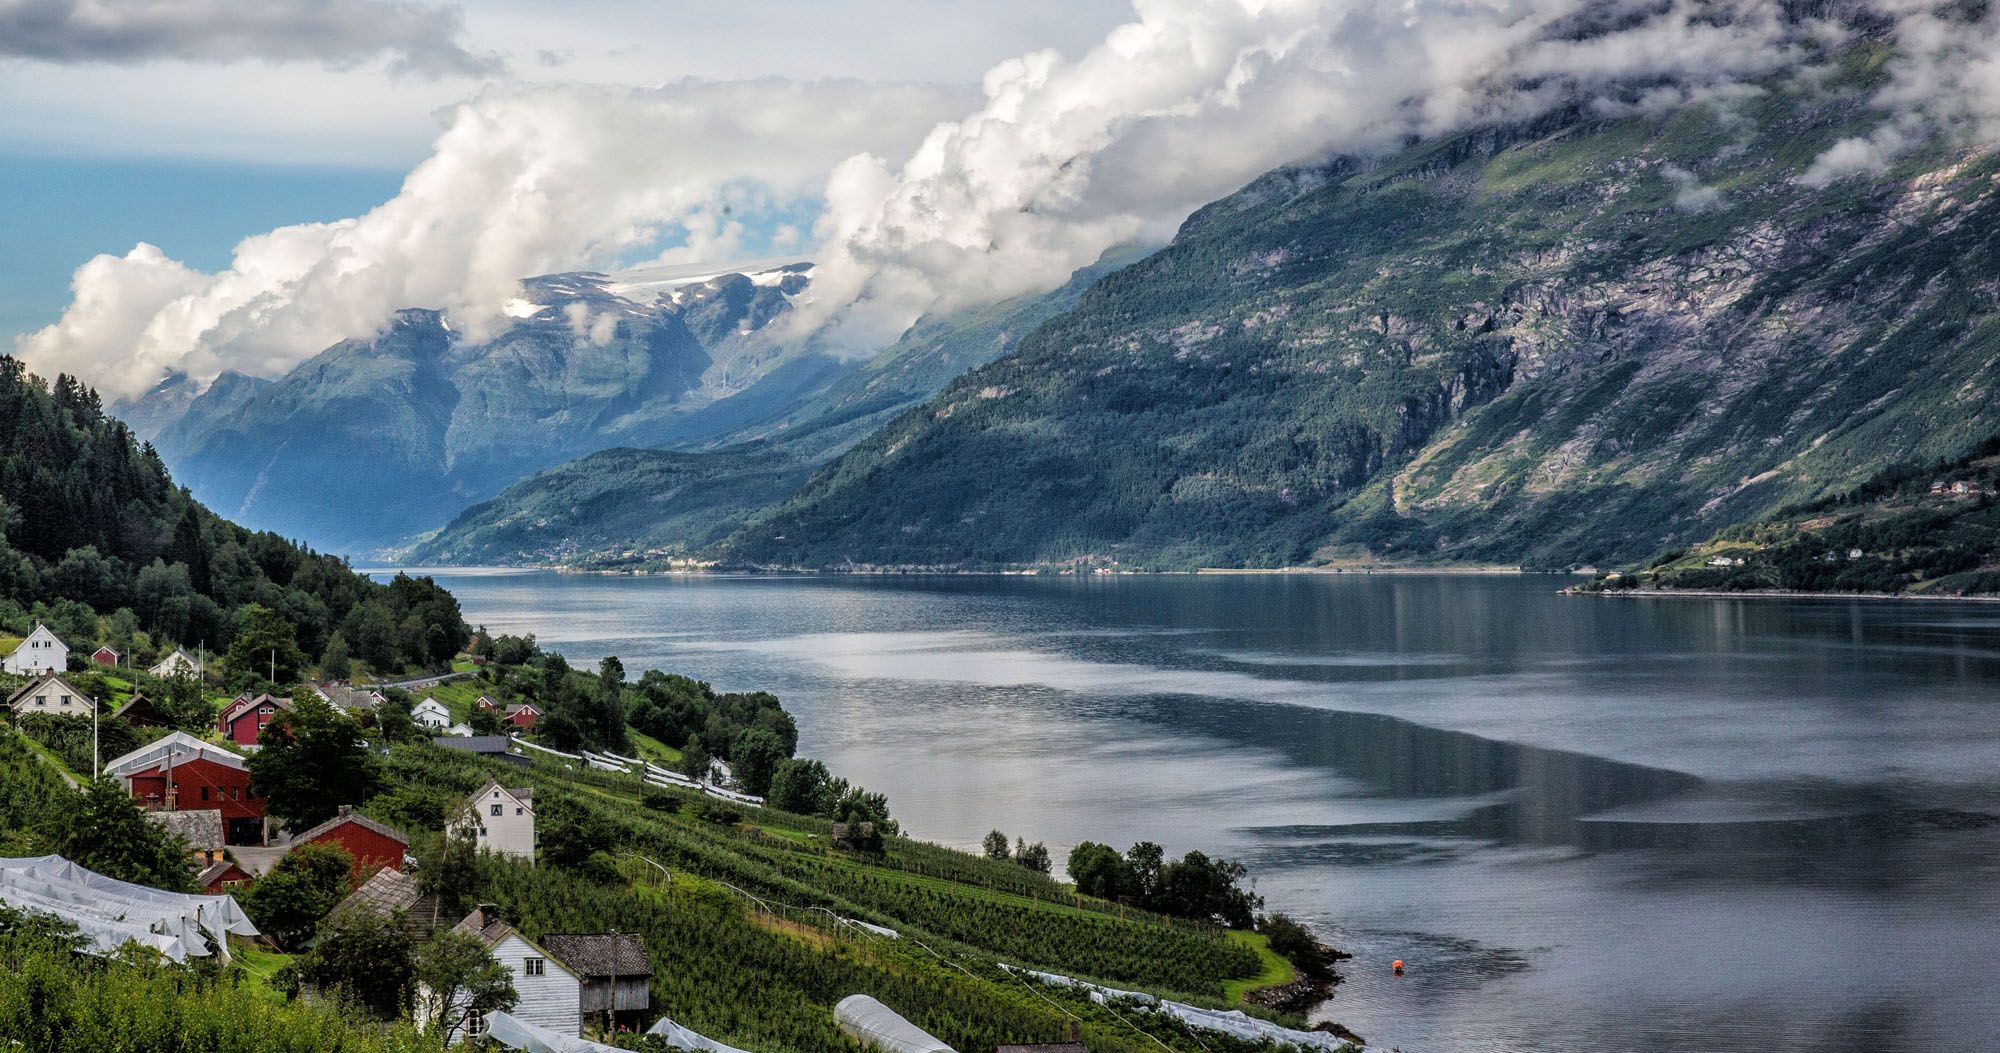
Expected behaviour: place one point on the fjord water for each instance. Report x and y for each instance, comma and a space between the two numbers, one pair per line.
1587, 824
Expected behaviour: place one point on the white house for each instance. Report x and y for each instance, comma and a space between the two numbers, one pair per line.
431, 713
551, 996
40, 653
463, 731
500, 820
52, 695
175, 664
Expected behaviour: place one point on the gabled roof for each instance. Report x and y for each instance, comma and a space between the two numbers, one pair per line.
42, 681
140, 709
524, 795
176, 747
346, 816
431, 701
347, 697
216, 871
43, 632
177, 653
247, 704
600, 954
115, 653
519, 706
394, 895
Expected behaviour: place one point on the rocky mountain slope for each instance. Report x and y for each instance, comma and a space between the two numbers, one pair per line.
1575, 341
373, 440
627, 506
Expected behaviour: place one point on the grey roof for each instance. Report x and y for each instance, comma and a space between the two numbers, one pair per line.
486, 925
45, 678
200, 829
395, 896
600, 954
348, 816
348, 698
213, 872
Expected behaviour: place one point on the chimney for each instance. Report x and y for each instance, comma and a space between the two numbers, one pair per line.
346, 809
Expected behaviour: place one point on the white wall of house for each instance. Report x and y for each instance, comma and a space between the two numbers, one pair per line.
41, 652
174, 664
552, 999
431, 713
499, 822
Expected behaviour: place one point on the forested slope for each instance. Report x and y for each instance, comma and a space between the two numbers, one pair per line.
1573, 341
91, 525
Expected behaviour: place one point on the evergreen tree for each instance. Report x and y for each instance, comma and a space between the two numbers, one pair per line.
108, 833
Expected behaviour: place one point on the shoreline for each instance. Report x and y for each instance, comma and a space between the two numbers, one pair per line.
1775, 594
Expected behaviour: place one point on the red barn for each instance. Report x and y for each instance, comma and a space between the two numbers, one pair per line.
373, 845
486, 704
524, 715
243, 720
105, 656
180, 773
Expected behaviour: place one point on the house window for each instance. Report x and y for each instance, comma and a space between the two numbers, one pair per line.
41, 700
499, 809
204, 793
65, 700
520, 811
532, 966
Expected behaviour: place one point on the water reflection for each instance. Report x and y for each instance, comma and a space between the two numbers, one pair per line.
1589, 824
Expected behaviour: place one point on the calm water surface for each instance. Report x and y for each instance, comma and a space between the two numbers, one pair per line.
1587, 824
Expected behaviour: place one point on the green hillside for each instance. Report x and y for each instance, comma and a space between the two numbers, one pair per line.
1913, 530
1575, 341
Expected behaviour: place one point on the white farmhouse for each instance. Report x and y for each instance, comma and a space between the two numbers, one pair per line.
431, 713
551, 996
51, 695
499, 820
175, 664
40, 653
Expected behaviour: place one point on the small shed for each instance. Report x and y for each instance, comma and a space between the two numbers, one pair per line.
615, 973
142, 712
106, 656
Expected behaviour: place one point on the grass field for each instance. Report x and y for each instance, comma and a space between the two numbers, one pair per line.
1275, 971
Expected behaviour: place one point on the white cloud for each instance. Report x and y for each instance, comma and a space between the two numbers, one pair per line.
415, 38
1944, 80
1194, 98
1689, 193
1058, 160
522, 182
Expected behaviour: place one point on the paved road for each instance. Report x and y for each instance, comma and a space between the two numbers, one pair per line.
426, 681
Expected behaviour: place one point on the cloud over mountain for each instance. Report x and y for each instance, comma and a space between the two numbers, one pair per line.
1057, 159
417, 38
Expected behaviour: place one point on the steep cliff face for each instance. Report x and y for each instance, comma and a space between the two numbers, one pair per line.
1574, 341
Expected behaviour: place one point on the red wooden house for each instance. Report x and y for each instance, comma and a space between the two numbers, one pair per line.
105, 656
486, 704
524, 715
243, 720
372, 844
179, 773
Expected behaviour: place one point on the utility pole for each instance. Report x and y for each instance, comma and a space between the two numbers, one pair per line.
96, 758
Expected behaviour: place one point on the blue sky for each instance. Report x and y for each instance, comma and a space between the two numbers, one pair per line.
59, 211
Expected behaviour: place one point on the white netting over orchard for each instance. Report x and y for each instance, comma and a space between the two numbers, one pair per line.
110, 913
871, 1023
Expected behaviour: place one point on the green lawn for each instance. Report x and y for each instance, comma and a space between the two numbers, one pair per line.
653, 749
1276, 970
260, 965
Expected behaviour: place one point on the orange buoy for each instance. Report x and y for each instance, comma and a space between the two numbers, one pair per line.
1398, 966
